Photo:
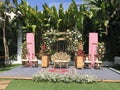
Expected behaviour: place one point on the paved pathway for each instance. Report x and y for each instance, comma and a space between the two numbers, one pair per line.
102, 74
20, 71
4, 84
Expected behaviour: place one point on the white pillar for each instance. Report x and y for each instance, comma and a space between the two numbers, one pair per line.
19, 48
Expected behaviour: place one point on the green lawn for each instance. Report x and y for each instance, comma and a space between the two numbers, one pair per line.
31, 85
9, 67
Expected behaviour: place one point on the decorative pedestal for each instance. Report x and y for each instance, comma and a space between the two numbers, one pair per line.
98, 64
32, 63
87, 64
45, 61
24, 62
79, 62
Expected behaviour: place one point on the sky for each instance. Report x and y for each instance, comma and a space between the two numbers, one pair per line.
39, 3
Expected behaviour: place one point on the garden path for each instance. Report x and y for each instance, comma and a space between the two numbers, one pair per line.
4, 84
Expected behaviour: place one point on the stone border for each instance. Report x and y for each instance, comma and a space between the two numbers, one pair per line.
115, 70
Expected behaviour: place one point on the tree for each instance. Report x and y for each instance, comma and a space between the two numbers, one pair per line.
104, 21
7, 13
4, 8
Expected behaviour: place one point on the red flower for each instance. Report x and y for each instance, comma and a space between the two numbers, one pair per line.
43, 47
62, 71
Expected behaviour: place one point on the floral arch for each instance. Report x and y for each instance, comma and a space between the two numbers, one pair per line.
70, 39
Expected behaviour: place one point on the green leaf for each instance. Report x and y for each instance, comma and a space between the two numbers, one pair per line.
106, 23
34, 27
47, 25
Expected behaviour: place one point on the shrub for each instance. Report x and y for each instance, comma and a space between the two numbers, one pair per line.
66, 77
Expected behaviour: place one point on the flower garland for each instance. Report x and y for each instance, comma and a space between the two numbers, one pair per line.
72, 37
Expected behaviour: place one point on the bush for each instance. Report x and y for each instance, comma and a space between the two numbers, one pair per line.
67, 77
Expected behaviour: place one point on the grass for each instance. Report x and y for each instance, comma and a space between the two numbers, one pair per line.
31, 85
9, 67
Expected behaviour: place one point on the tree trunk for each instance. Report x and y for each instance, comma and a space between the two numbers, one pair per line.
5, 44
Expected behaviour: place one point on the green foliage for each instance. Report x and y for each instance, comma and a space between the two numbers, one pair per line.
29, 15
105, 21
24, 50
69, 21
101, 50
102, 16
5, 26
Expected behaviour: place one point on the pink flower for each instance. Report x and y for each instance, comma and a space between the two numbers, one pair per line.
56, 70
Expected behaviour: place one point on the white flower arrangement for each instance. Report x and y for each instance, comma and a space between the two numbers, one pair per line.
101, 49
72, 36
66, 77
